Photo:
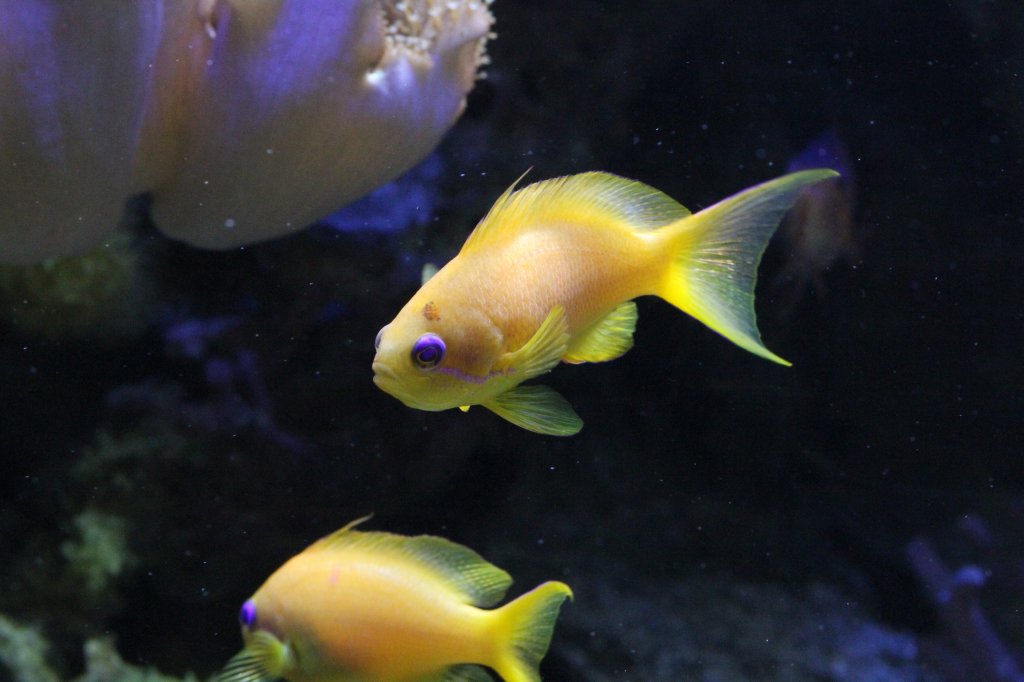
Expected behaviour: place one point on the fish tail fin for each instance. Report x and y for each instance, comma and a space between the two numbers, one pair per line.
716, 252
523, 630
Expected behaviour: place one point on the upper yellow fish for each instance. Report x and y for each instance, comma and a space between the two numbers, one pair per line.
377, 607
549, 275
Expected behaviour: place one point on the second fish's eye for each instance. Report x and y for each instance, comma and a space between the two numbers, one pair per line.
428, 351
247, 614
376, 341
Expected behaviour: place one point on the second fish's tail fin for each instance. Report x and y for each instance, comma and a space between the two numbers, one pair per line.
717, 251
523, 631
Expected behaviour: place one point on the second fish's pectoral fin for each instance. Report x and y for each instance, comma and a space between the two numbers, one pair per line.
263, 659
537, 408
544, 350
606, 339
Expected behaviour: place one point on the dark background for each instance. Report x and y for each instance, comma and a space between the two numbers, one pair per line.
898, 417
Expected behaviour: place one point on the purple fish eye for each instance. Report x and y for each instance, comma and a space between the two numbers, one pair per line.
428, 351
247, 615
376, 341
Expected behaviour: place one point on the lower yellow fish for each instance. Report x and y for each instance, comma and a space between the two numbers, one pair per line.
549, 276
376, 607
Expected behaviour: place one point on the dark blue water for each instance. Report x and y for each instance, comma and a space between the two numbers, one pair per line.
719, 516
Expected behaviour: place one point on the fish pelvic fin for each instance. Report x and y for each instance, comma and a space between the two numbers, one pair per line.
265, 658
522, 630
464, 673
607, 339
716, 254
536, 408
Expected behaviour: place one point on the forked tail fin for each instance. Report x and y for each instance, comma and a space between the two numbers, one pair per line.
524, 627
717, 251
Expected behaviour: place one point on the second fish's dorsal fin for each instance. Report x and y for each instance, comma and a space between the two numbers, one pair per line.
588, 198
479, 582
608, 338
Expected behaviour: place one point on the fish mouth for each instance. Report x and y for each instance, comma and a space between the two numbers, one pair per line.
382, 372
386, 379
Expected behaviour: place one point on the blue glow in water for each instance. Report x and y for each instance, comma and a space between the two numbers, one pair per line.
411, 200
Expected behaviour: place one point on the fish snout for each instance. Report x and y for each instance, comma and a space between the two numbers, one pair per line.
383, 373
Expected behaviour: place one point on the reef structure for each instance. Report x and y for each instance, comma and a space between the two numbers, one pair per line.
243, 120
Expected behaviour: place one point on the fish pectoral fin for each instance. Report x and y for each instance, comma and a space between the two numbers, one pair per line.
608, 338
544, 350
263, 659
537, 408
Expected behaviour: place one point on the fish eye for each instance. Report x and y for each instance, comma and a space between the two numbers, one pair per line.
376, 341
428, 351
247, 614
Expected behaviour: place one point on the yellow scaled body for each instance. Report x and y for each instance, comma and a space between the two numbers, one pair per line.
549, 276
377, 607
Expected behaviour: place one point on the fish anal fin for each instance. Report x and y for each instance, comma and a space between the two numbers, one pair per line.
466, 672
537, 408
543, 351
608, 338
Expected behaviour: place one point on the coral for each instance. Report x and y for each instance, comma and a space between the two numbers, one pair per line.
100, 552
721, 629
104, 664
97, 294
244, 120
23, 653
73, 80
971, 645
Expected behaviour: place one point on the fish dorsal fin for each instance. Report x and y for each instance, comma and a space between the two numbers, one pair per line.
543, 351
479, 582
587, 198
608, 338
490, 225
537, 408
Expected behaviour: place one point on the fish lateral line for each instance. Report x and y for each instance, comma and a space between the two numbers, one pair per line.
474, 378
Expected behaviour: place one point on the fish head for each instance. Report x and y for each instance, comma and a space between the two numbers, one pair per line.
437, 354
267, 655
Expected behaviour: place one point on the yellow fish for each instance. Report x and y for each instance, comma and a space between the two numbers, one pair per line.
549, 275
376, 607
